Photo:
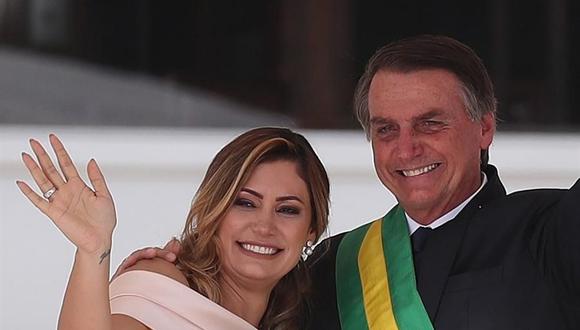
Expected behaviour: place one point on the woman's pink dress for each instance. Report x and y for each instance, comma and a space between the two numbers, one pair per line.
162, 303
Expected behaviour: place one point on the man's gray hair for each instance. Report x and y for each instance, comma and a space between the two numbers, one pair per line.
430, 52
426, 52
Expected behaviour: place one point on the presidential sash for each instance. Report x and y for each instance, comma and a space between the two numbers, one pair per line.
375, 278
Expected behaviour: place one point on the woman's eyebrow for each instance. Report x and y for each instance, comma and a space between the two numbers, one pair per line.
289, 197
281, 198
252, 192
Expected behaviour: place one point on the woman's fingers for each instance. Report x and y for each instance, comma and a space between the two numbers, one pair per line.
38, 201
131, 260
97, 179
64, 161
148, 253
46, 164
173, 246
37, 174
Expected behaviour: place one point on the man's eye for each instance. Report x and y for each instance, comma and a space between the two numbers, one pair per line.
431, 125
243, 202
383, 130
289, 210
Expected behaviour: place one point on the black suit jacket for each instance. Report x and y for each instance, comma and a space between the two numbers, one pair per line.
505, 262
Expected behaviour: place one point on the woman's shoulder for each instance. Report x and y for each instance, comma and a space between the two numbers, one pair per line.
159, 266
156, 300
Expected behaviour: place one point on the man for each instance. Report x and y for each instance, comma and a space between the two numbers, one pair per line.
490, 261
477, 259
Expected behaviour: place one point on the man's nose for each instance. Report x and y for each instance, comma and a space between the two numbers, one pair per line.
408, 144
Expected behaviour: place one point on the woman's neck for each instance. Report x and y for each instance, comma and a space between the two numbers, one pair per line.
249, 304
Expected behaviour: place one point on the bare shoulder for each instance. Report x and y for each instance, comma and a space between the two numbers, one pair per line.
124, 322
155, 265
160, 266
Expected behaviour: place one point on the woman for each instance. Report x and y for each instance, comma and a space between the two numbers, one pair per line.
262, 201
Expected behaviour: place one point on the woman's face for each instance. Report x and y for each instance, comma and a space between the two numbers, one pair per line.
263, 232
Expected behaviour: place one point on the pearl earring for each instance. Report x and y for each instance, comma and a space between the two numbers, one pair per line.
307, 250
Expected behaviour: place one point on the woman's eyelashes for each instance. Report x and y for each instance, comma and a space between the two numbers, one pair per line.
289, 210
283, 209
244, 202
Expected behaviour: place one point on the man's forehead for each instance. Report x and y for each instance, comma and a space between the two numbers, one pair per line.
390, 79
414, 94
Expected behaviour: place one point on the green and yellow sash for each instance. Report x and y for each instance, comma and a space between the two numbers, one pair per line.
375, 278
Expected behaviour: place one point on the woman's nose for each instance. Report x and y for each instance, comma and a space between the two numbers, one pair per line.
263, 223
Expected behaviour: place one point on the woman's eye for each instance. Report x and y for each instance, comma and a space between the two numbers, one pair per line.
289, 210
243, 202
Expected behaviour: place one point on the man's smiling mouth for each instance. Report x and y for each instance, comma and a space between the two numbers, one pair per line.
418, 171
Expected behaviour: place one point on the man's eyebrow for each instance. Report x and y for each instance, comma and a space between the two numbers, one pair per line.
427, 115
430, 114
380, 121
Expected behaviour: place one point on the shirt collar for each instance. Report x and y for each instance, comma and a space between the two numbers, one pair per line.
413, 225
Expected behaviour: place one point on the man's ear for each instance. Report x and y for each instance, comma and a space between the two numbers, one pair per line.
487, 130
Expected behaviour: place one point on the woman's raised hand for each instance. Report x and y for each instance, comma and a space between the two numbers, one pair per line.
86, 216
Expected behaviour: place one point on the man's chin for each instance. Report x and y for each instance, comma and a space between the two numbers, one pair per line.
419, 203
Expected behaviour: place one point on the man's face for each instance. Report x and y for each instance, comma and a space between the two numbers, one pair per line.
426, 148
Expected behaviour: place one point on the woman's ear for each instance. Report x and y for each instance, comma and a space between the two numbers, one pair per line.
311, 235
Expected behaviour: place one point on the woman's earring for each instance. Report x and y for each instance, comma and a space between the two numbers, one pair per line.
307, 250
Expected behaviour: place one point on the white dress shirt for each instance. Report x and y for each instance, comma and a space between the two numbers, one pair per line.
414, 225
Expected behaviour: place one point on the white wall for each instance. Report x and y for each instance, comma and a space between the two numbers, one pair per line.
153, 174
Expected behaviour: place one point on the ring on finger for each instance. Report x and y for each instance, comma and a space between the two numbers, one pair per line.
49, 193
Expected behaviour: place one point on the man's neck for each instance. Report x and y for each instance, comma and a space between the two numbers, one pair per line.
447, 216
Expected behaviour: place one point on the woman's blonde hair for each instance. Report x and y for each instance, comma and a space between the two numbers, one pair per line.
230, 169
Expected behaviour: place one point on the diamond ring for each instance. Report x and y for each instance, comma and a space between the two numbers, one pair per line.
49, 193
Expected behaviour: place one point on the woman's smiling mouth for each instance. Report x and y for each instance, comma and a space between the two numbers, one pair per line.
259, 249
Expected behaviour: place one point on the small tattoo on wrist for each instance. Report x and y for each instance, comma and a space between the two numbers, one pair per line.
104, 255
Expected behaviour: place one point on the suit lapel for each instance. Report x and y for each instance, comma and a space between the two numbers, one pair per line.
436, 261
